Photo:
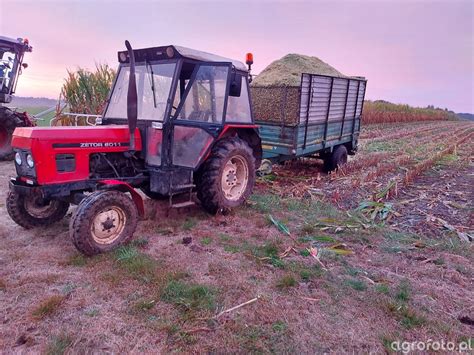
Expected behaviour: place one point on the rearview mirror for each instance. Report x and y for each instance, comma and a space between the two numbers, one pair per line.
235, 85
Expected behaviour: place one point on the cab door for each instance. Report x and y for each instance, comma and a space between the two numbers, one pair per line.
200, 115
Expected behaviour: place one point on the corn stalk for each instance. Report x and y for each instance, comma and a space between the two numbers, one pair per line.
85, 92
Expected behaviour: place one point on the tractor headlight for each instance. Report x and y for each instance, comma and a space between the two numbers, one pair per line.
29, 161
18, 158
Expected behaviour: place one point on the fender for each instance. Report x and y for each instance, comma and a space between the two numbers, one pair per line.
249, 133
124, 187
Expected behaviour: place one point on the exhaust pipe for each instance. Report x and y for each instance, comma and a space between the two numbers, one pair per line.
132, 98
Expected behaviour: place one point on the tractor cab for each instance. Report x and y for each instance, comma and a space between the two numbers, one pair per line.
11, 64
185, 100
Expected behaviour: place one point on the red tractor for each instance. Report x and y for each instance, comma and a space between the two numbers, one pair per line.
11, 65
177, 121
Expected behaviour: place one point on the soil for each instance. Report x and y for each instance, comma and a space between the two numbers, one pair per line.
407, 278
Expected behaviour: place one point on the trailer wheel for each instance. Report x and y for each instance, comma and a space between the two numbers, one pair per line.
227, 177
31, 211
8, 123
103, 221
337, 158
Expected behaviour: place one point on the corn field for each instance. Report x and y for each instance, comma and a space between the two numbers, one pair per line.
85, 92
385, 112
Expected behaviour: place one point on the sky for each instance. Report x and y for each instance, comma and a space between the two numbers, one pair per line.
416, 52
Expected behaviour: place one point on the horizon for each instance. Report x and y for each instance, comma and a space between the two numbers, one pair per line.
418, 53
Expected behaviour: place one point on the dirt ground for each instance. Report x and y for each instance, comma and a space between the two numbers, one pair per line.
328, 273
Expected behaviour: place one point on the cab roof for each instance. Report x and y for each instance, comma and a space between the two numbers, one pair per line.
174, 51
17, 43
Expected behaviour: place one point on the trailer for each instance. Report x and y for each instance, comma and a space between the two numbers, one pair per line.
327, 125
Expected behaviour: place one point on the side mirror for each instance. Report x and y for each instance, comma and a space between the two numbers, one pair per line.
235, 85
24, 65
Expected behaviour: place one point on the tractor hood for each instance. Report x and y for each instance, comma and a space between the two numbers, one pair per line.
50, 145
95, 138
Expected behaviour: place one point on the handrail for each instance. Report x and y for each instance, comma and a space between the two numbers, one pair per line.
77, 116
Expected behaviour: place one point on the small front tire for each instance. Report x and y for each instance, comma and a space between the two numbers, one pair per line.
103, 221
31, 211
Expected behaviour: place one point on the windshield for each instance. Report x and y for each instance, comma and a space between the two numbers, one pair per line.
7, 66
153, 87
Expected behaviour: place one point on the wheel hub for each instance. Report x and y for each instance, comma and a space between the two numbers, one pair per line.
108, 224
235, 177
39, 208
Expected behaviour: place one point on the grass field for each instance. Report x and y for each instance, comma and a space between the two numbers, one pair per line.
349, 262
44, 121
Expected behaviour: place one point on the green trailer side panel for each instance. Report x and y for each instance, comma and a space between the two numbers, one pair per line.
330, 115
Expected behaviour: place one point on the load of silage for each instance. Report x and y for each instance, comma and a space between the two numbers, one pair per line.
275, 91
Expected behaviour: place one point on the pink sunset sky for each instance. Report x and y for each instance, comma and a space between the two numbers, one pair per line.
415, 52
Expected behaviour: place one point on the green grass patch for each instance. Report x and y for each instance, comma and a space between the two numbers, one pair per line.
138, 265
47, 307
189, 223
59, 344
279, 326
357, 285
231, 249
269, 253
382, 288
265, 203
286, 282
206, 241
402, 292
139, 242
189, 296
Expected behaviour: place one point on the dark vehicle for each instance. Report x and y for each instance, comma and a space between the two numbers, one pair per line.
328, 124
177, 120
11, 65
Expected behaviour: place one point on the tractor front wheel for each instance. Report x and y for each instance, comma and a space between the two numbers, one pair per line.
103, 221
227, 177
32, 211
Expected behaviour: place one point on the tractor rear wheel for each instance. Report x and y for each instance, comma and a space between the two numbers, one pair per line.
336, 159
32, 211
227, 177
8, 122
103, 221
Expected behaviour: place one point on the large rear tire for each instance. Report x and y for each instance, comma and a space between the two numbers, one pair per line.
103, 221
31, 211
336, 159
8, 122
226, 179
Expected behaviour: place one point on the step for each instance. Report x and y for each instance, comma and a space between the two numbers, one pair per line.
183, 204
183, 187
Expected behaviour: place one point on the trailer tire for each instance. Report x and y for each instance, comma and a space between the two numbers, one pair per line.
232, 163
8, 122
336, 159
28, 213
103, 221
